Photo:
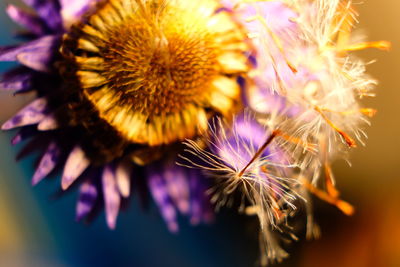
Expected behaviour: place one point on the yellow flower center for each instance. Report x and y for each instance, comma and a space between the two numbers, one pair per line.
156, 70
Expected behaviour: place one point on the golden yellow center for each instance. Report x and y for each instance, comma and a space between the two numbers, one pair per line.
156, 70
158, 73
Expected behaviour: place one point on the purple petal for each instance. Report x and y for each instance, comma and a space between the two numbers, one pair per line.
278, 16
73, 10
37, 54
248, 129
177, 186
208, 214
17, 79
233, 147
263, 100
11, 53
49, 11
112, 198
40, 60
87, 199
123, 176
228, 4
164, 203
23, 134
76, 164
47, 163
200, 206
31, 114
48, 123
237, 149
27, 20
195, 201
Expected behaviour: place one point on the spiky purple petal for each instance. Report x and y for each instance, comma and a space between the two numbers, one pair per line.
31, 114
159, 192
195, 202
76, 164
45, 43
49, 11
177, 186
200, 206
38, 60
112, 198
47, 163
48, 123
23, 133
123, 174
27, 20
19, 79
73, 10
88, 195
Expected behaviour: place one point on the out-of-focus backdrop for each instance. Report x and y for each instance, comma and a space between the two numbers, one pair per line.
38, 230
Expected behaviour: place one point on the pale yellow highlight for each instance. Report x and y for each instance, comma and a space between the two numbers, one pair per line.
11, 237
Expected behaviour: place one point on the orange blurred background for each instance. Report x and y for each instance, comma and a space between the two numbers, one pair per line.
372, 236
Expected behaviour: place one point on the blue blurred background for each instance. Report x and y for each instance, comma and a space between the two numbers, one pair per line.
37, 229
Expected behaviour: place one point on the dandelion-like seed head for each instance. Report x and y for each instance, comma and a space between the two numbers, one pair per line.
332, 80
309, 64
239, 157
245, 160
157, 70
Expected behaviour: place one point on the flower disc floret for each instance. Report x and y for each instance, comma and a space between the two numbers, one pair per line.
156, 71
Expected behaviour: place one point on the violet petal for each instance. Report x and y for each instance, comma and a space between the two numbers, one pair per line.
201, 209
40, 60
47, 163
195, 201
112, 198
76, 164
87, 199
177, 186
160, 194
48, 123
123, 176
73, 10
31, 114
10, 53
17, 79
26, 20
36, 54
23, 133
49, 11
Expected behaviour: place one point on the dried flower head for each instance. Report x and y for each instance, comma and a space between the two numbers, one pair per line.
119, 84
154, 71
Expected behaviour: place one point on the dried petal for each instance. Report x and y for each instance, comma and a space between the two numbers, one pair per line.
27, 20
112, 198
31, 114
76, 164
159, 192
47, 163
123, 175
87, 198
